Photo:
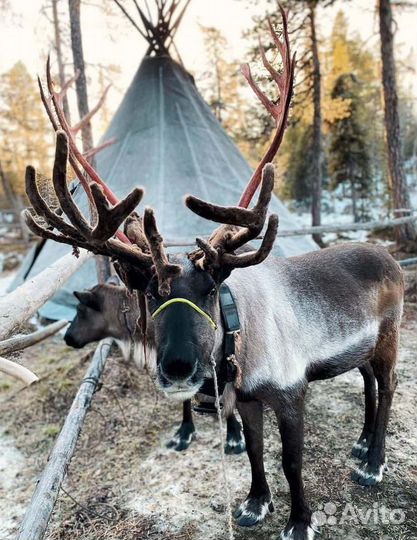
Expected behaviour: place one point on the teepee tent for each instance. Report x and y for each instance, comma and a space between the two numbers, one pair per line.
168, 141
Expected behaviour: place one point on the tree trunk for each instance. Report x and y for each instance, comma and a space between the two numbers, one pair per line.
398, 182
316, 179
354, 198
7, 188
102, 263
58, 49
79, 65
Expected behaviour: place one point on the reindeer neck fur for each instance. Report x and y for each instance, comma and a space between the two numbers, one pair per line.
310, 316
127, 333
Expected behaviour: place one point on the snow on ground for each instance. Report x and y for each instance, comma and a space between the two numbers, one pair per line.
11, 460
11, 464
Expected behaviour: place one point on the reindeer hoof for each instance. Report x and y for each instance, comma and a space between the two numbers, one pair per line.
299, 530
182, 438
360, 450
233, 446
366, 475
253, 511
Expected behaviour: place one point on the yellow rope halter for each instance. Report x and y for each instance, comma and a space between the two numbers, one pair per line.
189, 303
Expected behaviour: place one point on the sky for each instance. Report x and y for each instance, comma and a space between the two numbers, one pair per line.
25, 34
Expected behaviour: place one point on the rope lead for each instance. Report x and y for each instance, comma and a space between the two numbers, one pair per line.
224, 471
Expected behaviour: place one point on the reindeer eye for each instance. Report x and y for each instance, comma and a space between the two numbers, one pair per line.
212, 292
149, 296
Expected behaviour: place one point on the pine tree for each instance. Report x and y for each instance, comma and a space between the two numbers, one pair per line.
221, 85
353, 115
349, 161
295, 160
24, 132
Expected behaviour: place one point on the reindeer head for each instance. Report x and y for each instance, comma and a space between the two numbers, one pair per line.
102, 311
182, 293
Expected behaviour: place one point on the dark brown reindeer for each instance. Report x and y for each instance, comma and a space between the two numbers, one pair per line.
302, 319
110, 310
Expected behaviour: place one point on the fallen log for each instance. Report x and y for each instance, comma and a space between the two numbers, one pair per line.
17, 371
342, 227
18, 306
320, 229
36, 518
18, 343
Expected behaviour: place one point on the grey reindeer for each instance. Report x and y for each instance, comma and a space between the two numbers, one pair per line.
302, 319
110, 310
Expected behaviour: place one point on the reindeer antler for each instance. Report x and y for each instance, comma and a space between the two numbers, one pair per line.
78, 232
53, 104
239, 224
279, 111
139, 249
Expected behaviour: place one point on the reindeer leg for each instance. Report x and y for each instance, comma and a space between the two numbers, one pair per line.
186, 432
383, 364
258, 503
235, 443
360, 448
291, 425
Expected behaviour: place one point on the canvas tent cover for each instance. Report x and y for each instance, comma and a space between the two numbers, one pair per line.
168, 141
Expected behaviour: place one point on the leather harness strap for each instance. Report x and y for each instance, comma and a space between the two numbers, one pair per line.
227, 370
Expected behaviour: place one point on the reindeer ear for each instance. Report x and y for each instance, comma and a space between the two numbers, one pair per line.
87, 298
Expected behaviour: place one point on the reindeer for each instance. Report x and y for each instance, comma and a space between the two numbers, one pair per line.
109, 310
302, 319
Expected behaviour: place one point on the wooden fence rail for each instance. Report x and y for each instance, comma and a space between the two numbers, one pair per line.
19, 305
36, 518
321, 229
17, 343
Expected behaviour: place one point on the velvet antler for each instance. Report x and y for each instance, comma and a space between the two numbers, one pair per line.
240, 226
144, 250
132, 248
164, 269
78, 232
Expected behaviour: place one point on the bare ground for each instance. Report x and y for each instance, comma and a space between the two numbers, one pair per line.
123, 484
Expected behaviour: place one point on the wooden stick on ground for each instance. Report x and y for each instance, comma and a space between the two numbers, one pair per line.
18, 343
36, 518
17, 371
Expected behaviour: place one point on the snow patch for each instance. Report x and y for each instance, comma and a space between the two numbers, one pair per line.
11, 464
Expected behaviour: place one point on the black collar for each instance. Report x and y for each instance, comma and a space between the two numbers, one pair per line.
226, 371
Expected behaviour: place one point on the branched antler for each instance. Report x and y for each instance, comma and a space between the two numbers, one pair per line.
142, 253
240, 225
138, 252
279, 111
164, 269
53, 103
78, 232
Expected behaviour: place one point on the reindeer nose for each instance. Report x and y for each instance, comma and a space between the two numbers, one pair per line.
178, 369
71, 342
